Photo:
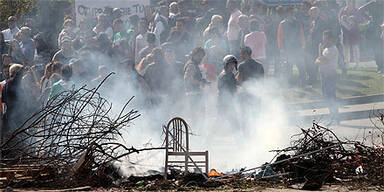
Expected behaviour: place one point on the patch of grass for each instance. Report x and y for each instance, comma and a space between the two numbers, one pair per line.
360, 82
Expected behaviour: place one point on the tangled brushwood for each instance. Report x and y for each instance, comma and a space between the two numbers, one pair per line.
73, 135
317, 156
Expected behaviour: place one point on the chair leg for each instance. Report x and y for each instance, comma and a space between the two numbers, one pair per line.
166, 166
186, 164
206, 162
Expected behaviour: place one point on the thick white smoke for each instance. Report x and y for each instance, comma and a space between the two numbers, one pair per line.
230, 147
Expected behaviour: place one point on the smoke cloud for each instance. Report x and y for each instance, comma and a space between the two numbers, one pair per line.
230, 147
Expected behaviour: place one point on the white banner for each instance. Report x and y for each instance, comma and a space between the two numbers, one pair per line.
92, 8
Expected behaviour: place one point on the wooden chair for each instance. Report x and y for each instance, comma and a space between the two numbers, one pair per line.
177, 145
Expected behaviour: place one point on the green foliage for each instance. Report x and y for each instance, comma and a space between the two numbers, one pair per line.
18, 8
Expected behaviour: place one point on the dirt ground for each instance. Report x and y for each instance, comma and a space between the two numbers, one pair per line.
327, 188
332, 188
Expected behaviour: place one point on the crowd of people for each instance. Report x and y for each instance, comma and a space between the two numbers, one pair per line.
184, 48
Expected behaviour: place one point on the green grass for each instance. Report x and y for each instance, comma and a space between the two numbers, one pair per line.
360, 82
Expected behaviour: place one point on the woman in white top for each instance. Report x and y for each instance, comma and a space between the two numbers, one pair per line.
327, 61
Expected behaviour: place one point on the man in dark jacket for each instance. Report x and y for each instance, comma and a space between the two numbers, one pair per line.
249, 69
27, 46
226, 86
291, 41
317, 27
15, 99
226, 83
157, 74
250, 72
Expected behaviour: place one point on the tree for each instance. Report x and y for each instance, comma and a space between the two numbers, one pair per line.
18, 8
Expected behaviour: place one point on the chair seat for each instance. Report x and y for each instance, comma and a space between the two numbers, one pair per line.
197, 162
189, 153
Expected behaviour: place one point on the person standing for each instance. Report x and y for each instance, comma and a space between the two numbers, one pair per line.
157, 75
3, 46
349, 19
374, 31
64, 84
141, 41
66, 52
15, 98
251, 73
68, 31
6, 61
291, 41
317, 26
233, 29
161, 26
122, 33
327, 62
226, 84
194, 82
43, 54
217, 48
244, 28
256, 40
103, 26
216, 22
27, 45
204, 20
151, 44
175, 68
193, 78
249, 69
173, 13
226, 88
10, 33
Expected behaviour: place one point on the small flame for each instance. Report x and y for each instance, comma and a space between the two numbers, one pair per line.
214, 173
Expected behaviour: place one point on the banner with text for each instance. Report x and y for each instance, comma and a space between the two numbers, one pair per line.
92, 8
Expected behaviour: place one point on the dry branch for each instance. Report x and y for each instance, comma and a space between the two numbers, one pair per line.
71, 124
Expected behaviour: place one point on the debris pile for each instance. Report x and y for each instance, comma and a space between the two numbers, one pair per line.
317, 156
72, 136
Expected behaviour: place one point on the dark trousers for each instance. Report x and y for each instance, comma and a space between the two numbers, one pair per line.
341, 62
294, 58
328, 85
311, 55
379, 55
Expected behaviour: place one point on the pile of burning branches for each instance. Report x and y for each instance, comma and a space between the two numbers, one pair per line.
318, 156
73, 135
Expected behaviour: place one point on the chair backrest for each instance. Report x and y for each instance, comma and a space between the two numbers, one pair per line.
176, 136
